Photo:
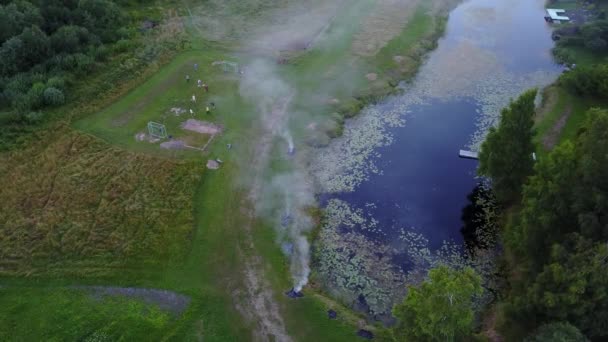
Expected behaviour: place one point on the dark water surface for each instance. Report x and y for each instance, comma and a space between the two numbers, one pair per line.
424, 184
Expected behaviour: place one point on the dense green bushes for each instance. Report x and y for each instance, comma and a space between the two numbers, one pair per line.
592, 36
591, 80
44, 47
441, 308
557, 223
51, 39
558, 237
506, 154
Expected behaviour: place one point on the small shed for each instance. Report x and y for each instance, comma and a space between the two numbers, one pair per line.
555, 16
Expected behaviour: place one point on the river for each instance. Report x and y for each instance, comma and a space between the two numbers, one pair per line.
394, 183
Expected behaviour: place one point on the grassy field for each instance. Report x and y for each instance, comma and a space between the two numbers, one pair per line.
95, 206
561, 116
62, 314
72, 204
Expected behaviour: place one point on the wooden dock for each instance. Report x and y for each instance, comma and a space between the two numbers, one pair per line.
468, 154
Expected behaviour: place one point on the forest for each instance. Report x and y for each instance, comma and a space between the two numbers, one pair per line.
556, 226
44, 47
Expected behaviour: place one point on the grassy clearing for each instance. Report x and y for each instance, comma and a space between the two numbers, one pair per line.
35, 314
563, 4
169, 89
410, 45
553, 110
582, 56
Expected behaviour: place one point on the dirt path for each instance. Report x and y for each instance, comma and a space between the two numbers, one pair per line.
260, 306
552, 137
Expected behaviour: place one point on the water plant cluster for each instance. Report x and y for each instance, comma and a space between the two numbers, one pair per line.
372, 274
353, 268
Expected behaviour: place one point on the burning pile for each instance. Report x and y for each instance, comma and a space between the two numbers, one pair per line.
294, 294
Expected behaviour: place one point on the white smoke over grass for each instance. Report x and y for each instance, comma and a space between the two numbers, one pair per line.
290, 112
283, 198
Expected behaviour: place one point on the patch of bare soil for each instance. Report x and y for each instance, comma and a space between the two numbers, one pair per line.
386, 21
371, 76
202, 127
173, 145
551, 138
166, 300
212, 164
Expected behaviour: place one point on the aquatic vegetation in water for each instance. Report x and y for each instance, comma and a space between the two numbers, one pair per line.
352, 267
364, 273
347, 162
483, 78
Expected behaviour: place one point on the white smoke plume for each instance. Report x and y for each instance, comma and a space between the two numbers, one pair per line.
283, 197
286, 197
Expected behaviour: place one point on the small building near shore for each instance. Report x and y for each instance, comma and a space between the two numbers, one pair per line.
555, 15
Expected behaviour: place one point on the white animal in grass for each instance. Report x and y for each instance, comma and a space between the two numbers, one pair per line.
193, 98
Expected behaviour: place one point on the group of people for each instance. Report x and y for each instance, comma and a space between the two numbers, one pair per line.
200, 84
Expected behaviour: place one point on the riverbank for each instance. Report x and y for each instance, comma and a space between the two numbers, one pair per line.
562, 111
397, 206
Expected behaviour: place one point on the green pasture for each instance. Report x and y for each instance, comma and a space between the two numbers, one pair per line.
167, 89
56, 314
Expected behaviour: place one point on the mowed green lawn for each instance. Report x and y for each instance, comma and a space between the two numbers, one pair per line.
152, 101
56, 314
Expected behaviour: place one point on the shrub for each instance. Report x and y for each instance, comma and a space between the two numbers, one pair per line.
83, 62
562, 55
53, 97
557, 332
35, 96
56, 82
33, 117
587, 80
121, 46
596, 45
100, 53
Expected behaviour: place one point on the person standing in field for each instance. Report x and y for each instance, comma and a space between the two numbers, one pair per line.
206, 87
187, 78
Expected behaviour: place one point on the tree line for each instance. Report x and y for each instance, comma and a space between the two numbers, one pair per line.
554, 235
44, 46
